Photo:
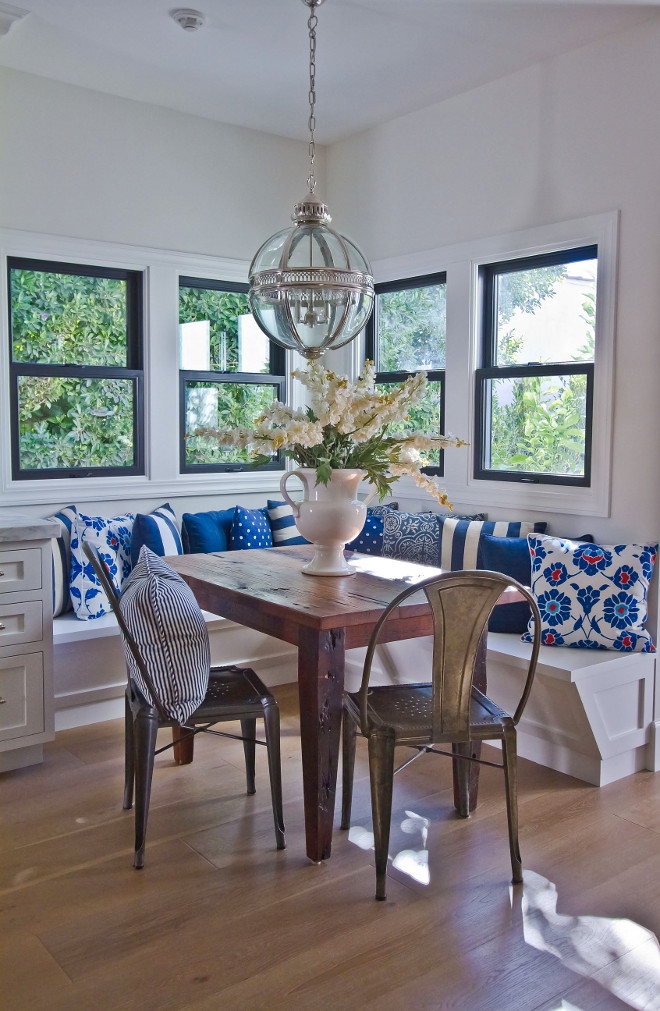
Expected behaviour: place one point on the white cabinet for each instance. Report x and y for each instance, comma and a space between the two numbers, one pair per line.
26, 640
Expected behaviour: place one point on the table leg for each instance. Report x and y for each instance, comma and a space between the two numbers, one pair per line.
466, 774
320, 688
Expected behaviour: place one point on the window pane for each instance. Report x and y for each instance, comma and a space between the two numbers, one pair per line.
222, 405
75, 422
412, 327
67, 319
538, 425
424, 417
218, 332
546, 314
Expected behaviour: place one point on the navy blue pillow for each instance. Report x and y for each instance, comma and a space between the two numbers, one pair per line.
250, 528
158, 531
510, 555
202, 532
370, 538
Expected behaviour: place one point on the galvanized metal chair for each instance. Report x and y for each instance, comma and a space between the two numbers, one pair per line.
447, 710
234, 693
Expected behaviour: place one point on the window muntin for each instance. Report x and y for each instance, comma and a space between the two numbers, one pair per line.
534, 391
406, 334
229, 371
76, 370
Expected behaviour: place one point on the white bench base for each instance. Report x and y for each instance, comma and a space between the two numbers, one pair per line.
589, 715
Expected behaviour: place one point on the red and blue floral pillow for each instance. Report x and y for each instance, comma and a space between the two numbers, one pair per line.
591, 596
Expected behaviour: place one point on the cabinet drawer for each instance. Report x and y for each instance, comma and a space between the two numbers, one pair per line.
21, 622
21, 696
20, 570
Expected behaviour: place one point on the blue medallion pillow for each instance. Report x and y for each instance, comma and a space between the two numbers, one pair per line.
61, 565
282, 524
112, 537
411, 537
158, 530
250, 528
207, 531
592, 596
168, 627
510, 555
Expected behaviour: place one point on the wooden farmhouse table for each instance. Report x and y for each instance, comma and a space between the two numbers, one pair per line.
323, 616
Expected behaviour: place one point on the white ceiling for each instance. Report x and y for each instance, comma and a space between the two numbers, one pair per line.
376, 59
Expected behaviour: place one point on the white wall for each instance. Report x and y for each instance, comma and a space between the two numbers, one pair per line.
82, 163
574, 136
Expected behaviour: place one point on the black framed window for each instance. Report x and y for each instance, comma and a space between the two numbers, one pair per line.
229, 371
76, 376
534, 390
407, 334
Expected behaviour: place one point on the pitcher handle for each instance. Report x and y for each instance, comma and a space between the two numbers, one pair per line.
285, 495
367, 500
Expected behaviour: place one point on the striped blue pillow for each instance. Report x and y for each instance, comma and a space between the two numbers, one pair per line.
158, 531
164, 618
61, 547
460, 538
282, 524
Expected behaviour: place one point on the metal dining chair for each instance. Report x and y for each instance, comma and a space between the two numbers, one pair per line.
449, 709
234, 693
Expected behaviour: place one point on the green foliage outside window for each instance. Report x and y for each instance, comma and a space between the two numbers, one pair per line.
221, 309
67, 319
222, 405
412, 329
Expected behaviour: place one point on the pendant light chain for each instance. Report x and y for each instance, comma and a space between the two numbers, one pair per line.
311, 24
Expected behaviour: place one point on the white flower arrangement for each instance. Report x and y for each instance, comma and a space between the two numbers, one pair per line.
345, 426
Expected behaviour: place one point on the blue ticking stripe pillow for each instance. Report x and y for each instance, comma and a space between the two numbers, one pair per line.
209, 531
460, 539
282, 524
250, 528
158, 530
61, 547
164, 618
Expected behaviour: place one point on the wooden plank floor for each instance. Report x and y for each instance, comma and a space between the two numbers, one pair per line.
219, 919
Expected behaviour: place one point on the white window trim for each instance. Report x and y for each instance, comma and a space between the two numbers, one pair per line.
461, 263
162, 269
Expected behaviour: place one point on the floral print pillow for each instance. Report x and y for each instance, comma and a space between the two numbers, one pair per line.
113, 538
591, 596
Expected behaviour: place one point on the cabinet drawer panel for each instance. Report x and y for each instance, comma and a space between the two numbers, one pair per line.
20, 570
21, 622
21, 695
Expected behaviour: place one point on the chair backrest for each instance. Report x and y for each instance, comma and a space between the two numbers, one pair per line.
105, 579
461, 603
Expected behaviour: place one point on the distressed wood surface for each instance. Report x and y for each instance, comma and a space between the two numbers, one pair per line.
267, 590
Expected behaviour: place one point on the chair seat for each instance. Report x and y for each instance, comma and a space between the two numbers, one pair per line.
407, 709
232, 689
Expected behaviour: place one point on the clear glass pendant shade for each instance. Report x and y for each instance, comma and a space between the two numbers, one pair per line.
311, 288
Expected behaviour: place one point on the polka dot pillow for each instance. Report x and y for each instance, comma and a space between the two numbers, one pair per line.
370, 538
250, 528
591, 596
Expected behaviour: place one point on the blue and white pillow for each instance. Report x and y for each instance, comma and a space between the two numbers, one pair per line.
250, 528
370, 539
158, 530
460, 538
61, 549
282, 524
591, 596
165, 621
112, 538
411, 537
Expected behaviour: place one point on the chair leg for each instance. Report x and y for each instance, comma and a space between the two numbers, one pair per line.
509, 754
129, 756
146, 729
272, 729
249, 732
348, 737
462, 777
381, 774
183, 741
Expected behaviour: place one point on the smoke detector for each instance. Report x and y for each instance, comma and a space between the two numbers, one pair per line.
190, 20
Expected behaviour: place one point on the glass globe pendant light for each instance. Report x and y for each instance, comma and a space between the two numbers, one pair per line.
311, 288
